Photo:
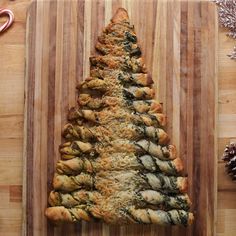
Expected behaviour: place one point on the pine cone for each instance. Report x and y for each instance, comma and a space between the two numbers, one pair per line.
229, 156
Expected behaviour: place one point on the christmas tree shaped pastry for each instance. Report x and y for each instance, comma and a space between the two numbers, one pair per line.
117, 164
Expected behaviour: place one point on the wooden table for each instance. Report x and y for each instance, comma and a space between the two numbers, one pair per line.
12, 48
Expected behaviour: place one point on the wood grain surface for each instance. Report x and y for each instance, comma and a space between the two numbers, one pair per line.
12, 68
12, 48
179, 44
226, 215
12, 45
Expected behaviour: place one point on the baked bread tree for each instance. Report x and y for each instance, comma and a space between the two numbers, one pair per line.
117, 164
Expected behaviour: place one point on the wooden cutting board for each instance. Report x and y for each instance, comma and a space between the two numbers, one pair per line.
179, 44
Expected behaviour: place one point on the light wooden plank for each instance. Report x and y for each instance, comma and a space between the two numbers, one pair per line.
225, 182
226, 222
11, 126
12, 63
227, 125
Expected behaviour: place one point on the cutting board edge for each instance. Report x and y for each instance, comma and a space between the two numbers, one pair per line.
24, 228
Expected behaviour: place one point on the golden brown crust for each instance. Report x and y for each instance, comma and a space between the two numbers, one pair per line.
135, 65
183, 185
188, 200
61, 214
190, 219
179, 166
173, 151
58, 214
164, 138
120, 15
54, 199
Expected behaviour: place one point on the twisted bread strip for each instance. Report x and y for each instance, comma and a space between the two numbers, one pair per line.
130, 132
83, 133
77, 165
146, 216
73, 199
150, 106
128, 35
76, 148
139, 79
93, 83
169, 184
173, 217
154, 164
124, 48
161, 152
123, 77
70, 150
142, 198
139, 93
123, 63
61, 214
71, 183
180, 201
154, 119
133, 92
